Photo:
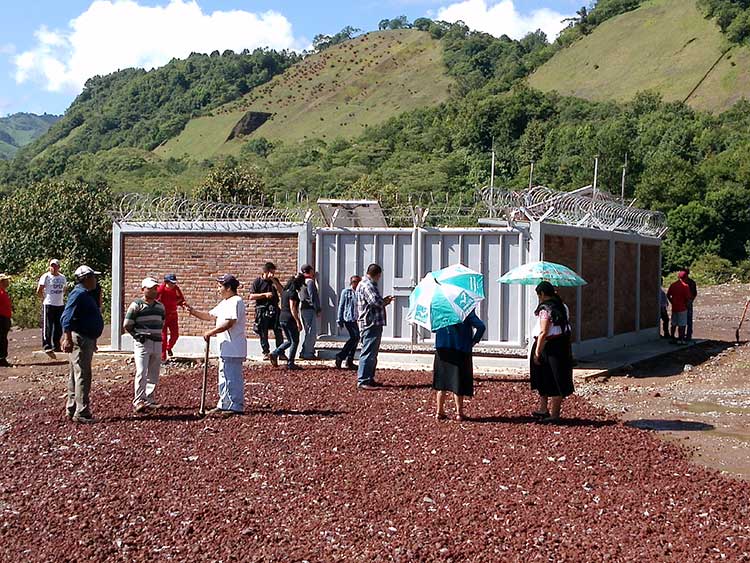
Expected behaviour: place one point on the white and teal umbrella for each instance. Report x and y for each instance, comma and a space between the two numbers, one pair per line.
534, 273
445, 297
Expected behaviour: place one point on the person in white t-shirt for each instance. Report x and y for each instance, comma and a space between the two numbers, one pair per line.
51, 289
230, 316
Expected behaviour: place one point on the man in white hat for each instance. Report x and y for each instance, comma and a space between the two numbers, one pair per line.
144, 320
82, 324
51, 289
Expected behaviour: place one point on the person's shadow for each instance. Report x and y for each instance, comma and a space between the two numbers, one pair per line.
571, 422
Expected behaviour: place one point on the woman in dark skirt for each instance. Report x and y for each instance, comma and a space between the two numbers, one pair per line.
453, 369
551, 363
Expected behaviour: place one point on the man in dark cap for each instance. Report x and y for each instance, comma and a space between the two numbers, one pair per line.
170, 295
230, 317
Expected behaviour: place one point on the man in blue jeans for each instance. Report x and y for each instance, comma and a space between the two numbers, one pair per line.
371, 306
347, 317
693, 294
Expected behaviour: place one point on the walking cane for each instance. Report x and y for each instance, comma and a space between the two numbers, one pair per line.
742, 320
202, 410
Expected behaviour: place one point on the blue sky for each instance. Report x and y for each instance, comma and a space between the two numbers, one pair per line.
49, 47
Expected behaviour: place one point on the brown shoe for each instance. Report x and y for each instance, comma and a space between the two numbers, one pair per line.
274, 360
141, 408
366, 387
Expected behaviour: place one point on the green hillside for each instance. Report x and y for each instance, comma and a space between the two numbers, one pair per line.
667, 46
336, 93
20, 129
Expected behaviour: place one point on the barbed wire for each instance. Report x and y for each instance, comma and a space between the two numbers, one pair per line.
142, 208
544, 204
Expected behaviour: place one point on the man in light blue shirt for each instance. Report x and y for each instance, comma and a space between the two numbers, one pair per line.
347, 317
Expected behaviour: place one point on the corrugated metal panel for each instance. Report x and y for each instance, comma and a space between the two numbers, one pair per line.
406, 256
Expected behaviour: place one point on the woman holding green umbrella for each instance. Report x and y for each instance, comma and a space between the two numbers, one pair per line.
551, 363
453, 369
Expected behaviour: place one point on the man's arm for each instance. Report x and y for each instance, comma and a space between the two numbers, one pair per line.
312, 290
66, 320
343, 300
202, 315
40, 288
255, 293
479, 327
180, 297
129, 324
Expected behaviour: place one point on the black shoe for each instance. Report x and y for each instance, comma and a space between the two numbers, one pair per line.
170, 353
83, 419
366, 386
266, 355
282, 357
351, 366
5, 364
274, 360
339, 361
294, 367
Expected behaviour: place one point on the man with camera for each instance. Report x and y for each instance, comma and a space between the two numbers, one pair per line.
265, 291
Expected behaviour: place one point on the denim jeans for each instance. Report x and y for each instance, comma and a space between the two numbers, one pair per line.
231, 384
347, 352
309, 321
368, 357
291, 343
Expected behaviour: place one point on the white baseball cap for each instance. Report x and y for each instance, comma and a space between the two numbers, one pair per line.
148, 283
83, 271
54, 262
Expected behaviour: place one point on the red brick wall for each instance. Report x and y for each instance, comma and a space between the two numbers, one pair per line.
197, 259
650, 280
626, 281
564, 250
595, 295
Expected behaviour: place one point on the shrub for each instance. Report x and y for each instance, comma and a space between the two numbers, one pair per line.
711, 269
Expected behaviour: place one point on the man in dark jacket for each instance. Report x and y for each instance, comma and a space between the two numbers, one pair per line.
82, 324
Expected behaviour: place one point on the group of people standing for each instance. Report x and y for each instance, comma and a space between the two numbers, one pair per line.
681, 295
286, 311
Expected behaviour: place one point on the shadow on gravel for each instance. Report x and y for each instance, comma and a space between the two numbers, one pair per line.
674, 363
485, 379
529, 420
307, 412
407, 386
37, 364
670, 425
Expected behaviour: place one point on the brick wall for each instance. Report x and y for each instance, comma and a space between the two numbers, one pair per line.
198, 259
650, 281
626, 281
564, 250
595, 295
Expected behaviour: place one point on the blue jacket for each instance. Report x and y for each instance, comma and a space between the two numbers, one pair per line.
82, 314
462, 336
347, 312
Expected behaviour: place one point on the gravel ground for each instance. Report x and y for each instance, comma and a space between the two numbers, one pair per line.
317, 471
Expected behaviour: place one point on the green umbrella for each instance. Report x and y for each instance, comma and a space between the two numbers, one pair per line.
537, 272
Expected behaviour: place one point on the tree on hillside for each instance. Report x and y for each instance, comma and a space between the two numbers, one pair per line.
232, 183
401, 22
322, 42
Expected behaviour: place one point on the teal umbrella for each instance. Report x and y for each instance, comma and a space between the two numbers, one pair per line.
445, 297
534, 273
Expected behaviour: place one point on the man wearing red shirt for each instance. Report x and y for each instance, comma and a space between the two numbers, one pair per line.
170, 295
679, 295
6, 312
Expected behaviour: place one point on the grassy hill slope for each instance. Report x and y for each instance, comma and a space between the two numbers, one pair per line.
20, 129
666, 46
336, 93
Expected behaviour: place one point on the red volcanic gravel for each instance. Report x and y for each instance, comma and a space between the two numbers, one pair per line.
318, 471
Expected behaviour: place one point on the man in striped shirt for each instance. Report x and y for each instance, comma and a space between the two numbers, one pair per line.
144, 321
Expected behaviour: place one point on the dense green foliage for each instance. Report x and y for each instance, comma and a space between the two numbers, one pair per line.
230, 183
68, 219
20, 129
135, 108
323, 41
732, 16
587, 20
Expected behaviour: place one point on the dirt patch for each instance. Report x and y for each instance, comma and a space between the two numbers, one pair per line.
699, 396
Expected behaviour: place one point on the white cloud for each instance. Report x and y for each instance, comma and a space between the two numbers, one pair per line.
503, 18
7, 49
117, 34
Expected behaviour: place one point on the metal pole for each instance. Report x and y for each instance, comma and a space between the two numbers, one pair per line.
531, 175
596, 176
622, 188
492, 180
